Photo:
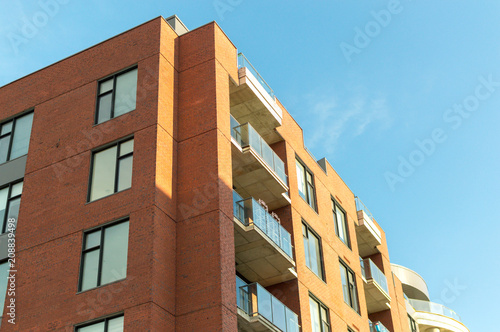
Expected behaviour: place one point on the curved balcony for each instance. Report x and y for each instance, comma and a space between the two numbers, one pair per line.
414, 285
434, 315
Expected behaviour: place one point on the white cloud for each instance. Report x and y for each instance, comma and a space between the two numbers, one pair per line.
333, 122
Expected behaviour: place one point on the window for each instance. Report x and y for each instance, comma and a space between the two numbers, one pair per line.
340, 223
319, 315
312, 249
104, 255
349, 286
114, 324
15, 137
412, 323
306, 184
4, 273
116, 95
10, 200
111, 170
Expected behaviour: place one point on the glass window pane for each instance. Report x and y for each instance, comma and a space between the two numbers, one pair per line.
351, 277
3, 204
314, 252
89, 270
341, 225
126, 91
125, 173
4, 268
21, 139
104, 110
93, 239
17, 189
354, 298
6, 128
126, 147
345, 287
115, 324
14, 209
106, 86
310, 196
103, 174
309, 177
301, 179
324, 315
98, 327
115, 247
306, 252
4, 148
335, 220
315, 320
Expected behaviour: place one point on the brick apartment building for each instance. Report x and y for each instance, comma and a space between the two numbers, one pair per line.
167, 189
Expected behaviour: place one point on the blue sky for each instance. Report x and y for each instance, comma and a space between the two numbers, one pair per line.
405, 107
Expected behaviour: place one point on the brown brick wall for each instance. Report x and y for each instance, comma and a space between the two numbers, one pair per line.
205, 288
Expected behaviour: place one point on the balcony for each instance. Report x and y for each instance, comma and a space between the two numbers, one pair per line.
377, 327
253, 101
367, 232
414, 286
376, 289
263, 247
434, 315
258, 310
257, 170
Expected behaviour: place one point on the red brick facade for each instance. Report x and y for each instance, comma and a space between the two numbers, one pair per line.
181, 253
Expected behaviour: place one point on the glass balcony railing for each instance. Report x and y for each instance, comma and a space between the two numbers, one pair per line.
249, 211
235, 130
434, 308
377, 327
243, 62
361, 207
248, 136
255, 300
371, 271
